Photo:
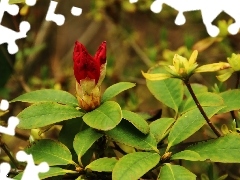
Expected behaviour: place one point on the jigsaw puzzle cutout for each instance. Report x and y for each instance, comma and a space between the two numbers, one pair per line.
209, 10
9, 36
12, 121
31, 171
4, 170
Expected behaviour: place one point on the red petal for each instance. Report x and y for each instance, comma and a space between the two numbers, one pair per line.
84, 64
100, 55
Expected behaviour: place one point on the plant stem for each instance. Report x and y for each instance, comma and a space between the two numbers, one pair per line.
5, 149
201, 109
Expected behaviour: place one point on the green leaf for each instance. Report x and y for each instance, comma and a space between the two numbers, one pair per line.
175, 172
205, 99
53, 152
156, 77
84, 140
115, 89
16, 1
197, 89
231, 100
102, 165
188, 155
134, 165
159, 127
127, 134
224, 149
43, 114
188, 124
48, 95
136, 120
69, 130
105, 117
168, 91
53, 171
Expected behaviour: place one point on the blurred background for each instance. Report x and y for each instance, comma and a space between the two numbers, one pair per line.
137, 39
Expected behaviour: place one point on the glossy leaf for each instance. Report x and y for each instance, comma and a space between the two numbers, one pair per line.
175, 172
48, 95
127, 134
84, 140
168, 91
69, 130
53, 171
16, 1
134, 165
224, 149
105, 117
197, 89
159, 127
115, 89
188, 124
50, 151
156, 77
43, 114
231, 100
136, 120
205, 99
102, 165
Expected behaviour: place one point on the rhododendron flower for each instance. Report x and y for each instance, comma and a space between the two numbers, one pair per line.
89, 72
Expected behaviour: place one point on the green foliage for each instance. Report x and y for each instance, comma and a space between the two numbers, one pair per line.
48, 95
159, 127
16, 1
224, 149
137, 121
168, 91
115, 143
53, 171
53, 152
84, 140
231, 100
175, 172
128, 167
43, 114
105, 117
102, 164
115, 89
126, 133
188, 124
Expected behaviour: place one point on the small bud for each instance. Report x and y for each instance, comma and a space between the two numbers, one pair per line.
89, 73
234, 61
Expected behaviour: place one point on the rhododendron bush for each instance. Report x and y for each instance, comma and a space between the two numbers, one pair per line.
100, 138
125, 103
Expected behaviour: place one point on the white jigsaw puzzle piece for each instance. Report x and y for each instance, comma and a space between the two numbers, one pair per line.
133, 1
51, 16
30, 2
209, 10
4, 170
4, 105
12, 9
76, 11
7, 35
31, 171
12, 124
12, 121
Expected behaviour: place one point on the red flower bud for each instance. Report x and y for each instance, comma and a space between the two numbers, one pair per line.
86, 66
89, 73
